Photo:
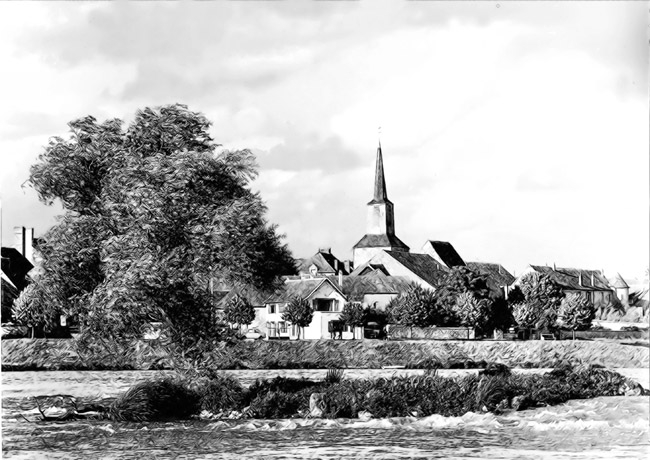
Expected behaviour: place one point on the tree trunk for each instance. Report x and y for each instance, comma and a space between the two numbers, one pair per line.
574, 334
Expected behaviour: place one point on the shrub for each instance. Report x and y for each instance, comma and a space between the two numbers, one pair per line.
164, 399
334, 375
220, 393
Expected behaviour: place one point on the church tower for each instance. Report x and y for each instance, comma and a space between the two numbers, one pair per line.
380, 222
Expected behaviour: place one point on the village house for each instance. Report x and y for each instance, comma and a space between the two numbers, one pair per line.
17, 263
590, 284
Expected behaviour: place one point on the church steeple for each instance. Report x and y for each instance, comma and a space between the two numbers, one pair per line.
380, 223
380, 181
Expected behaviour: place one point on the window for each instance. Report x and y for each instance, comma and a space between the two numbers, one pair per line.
282, 327
326, 305
272, 308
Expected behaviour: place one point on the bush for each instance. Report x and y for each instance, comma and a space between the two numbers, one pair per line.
220, 393
165, 399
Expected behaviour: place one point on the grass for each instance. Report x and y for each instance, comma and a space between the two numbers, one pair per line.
496, 390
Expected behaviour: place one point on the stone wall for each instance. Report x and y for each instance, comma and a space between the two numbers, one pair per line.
430, 333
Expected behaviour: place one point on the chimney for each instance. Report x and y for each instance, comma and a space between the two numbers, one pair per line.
341, 280
592, 279
347, 266
499, 269
580, 278
24, 242
554, 269
336, 265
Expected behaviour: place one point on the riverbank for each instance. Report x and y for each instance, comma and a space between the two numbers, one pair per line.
62, 354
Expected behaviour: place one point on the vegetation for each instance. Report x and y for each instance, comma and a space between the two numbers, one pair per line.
298, 312
540, 304
415, 308
153, 212
239, 311
496, 391
354, 315
576, 313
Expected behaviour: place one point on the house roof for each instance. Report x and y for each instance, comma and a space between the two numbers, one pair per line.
571, 278
15, 266
381, 241
619, 283
447, 253
422, 265
355, 287
325, 261
496, 272
299, 288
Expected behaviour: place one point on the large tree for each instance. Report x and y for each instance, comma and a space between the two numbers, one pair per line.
239, 311
152, 213
354, 315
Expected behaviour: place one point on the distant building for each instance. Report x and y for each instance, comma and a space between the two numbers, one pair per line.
323, 263
590, 284
496, 274
17, 263
621, 288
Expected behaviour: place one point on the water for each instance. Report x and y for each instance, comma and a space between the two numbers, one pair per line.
601, 428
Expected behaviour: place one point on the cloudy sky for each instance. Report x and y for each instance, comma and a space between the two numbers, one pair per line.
516, 131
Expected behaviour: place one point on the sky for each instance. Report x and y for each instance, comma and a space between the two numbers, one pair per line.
516, 131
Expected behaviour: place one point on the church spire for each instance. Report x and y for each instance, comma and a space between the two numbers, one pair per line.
380, 195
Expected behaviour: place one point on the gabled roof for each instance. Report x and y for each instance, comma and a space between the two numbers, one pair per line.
325, 261
355, 287
381, 241
496, 272
300, 288
422, 265
571, 278
15, 266
619, 282
447, 253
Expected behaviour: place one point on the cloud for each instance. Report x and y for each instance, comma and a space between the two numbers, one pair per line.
302, 151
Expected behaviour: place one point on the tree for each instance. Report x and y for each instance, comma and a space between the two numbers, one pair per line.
239, 311
458, 282
542, 296
414, 308
151, 214
576, 313
472, 312
299, 312
525, 315
354, 315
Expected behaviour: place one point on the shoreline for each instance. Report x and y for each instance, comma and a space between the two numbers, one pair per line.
62, 354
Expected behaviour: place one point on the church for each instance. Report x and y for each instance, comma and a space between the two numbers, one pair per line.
383, 267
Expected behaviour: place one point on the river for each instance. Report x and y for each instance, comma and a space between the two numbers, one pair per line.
600, 428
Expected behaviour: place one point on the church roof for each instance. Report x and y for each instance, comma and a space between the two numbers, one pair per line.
422, 265
381, 241
380, 194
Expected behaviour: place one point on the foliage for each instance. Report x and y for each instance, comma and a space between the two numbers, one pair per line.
542, 299
152, 213
525, 315
353, 314
220, 392
415, 307
299, 312
239, 311
164, 399
472, 312
334, 375
576, 313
